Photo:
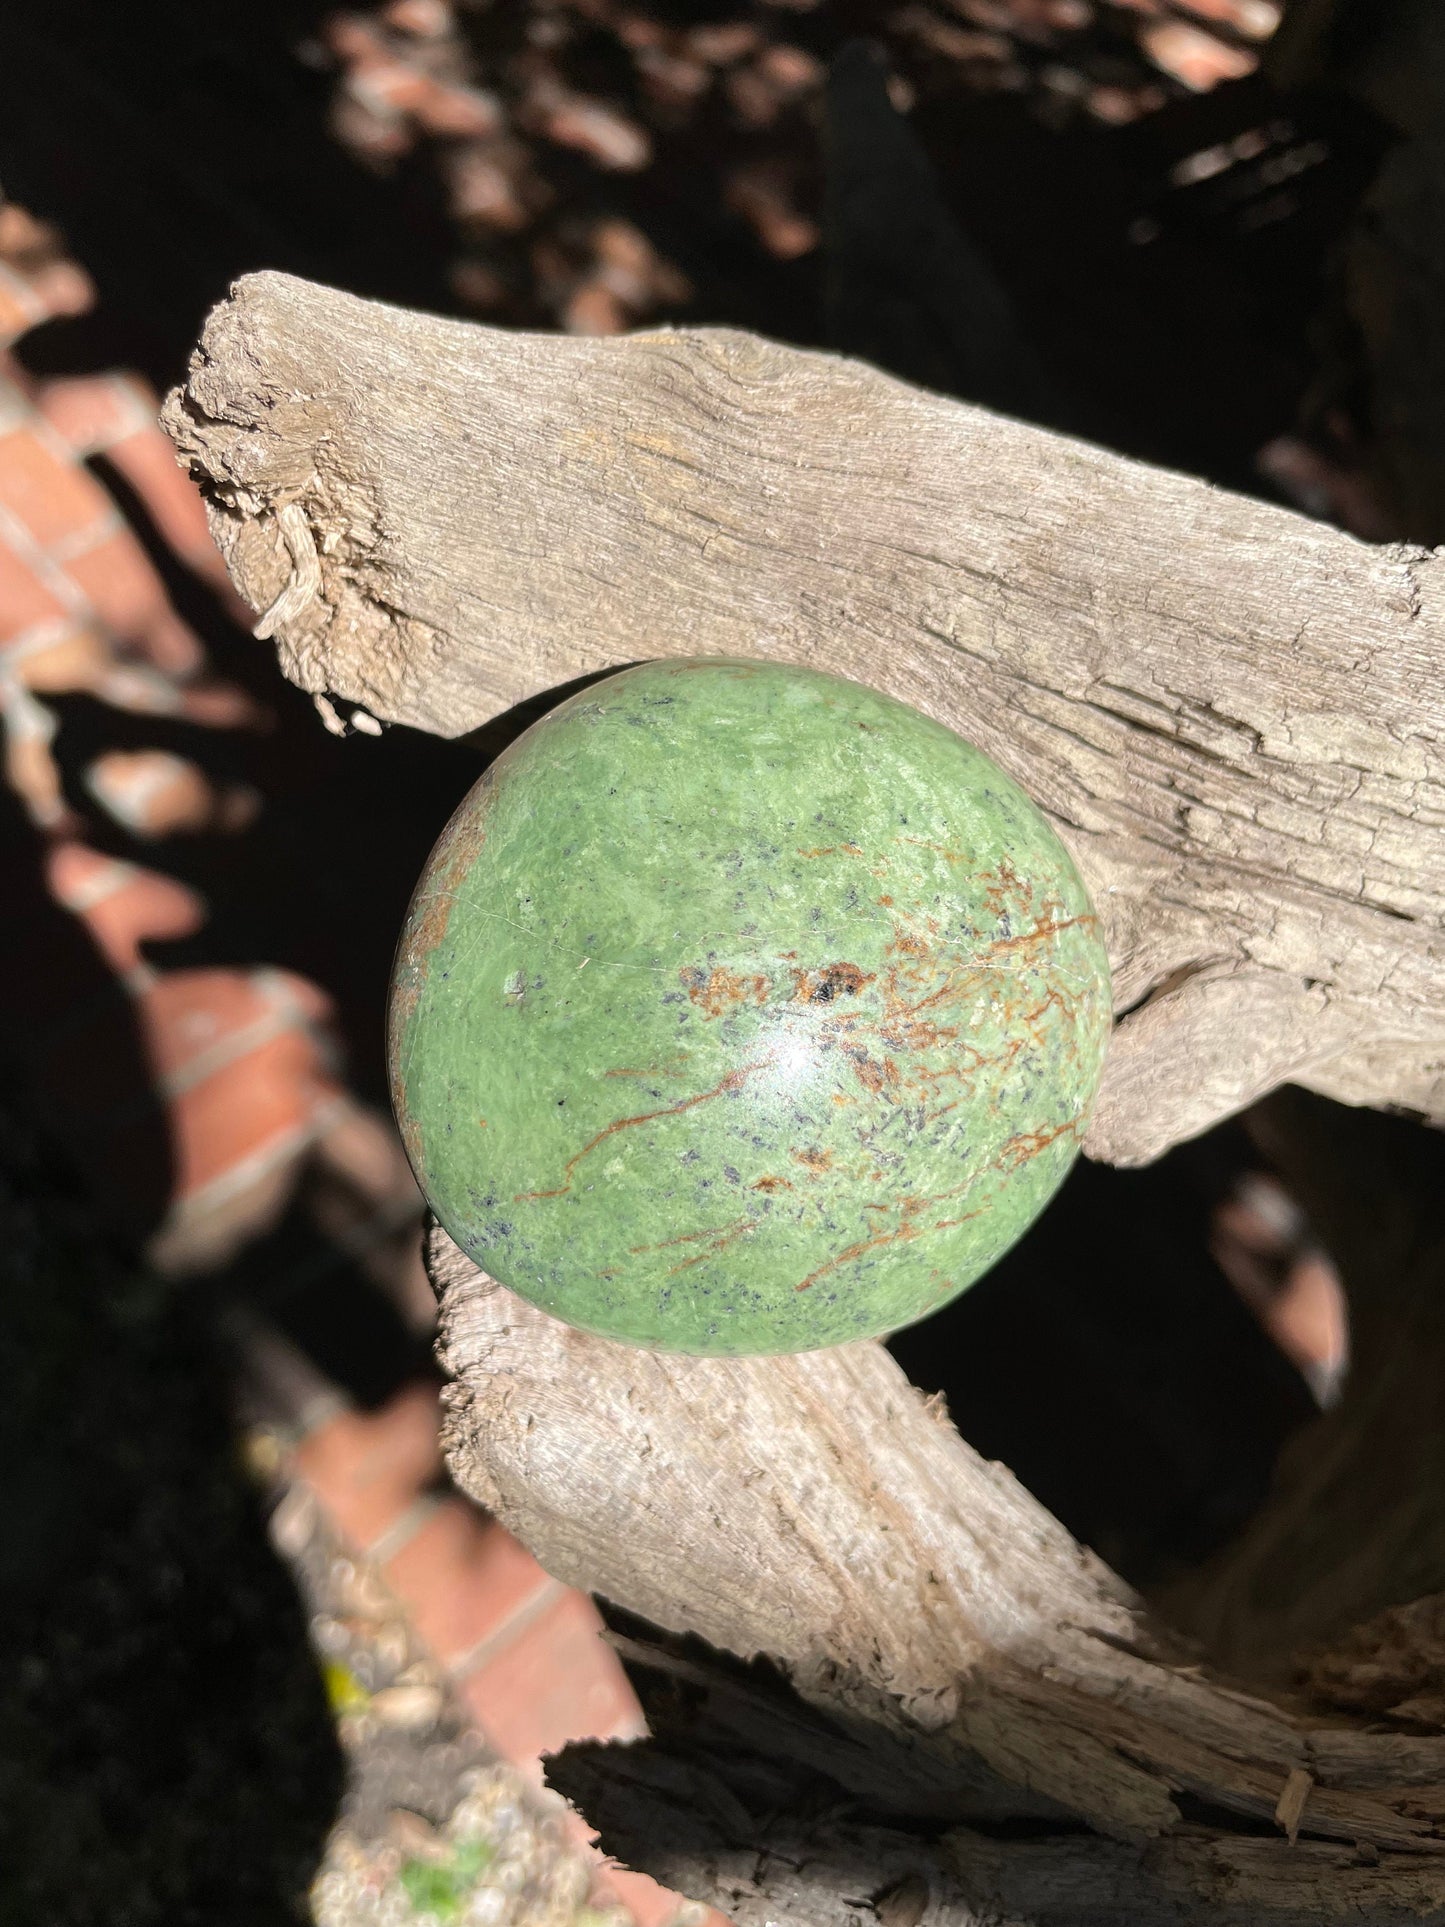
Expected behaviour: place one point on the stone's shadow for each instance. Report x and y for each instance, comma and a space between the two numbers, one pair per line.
1108, 1362
488, 742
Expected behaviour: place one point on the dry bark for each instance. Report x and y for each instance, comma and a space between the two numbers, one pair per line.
1234, 715
771, 1847
815, 1509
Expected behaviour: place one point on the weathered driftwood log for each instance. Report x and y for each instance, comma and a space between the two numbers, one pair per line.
815, 1509
1236, 716
716, 1806
843, 1872
1232, 714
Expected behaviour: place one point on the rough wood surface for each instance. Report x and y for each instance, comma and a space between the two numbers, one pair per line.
1235, 716
735, 1796
815, 1509
773, 1850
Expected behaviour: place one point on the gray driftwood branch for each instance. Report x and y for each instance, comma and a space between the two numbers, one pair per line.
1235, 716
817, 1510
720, 1820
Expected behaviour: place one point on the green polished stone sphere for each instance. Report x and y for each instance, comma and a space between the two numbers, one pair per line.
744, 1009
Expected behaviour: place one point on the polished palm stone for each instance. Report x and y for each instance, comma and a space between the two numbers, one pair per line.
743, 1009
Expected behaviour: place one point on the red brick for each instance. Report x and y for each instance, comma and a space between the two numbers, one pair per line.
353, 39
148, 463
151, 792
116, 415
1194, 57
62, 288
456, 112
121, 905
129, 598
555, 1682
466, 1582
368, 1467
427, 19
24, 598
20, 307
28, 297
200, 1019
1309, 1319
64, 661
52, 497
91, 412
579, 1832
593, 309
256, 1110
1256, 18
363, 1147
219, 705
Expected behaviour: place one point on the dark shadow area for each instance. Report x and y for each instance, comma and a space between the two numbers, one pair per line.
166, 1752
69, 1025
1154, 288
1108, 1363
318, 1297
178, 151
1100, 279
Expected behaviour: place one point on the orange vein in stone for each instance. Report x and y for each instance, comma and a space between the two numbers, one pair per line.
691, 1237
720, 1243
733, 1081
1028, 1144
905, 1231
1040, 931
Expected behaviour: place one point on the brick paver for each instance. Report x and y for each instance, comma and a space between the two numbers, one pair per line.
525, 1651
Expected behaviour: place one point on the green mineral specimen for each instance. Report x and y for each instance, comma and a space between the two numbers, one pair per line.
744, 1009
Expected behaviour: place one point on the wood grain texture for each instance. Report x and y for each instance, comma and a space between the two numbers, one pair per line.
1235, 716
816, 1509
768, 1850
